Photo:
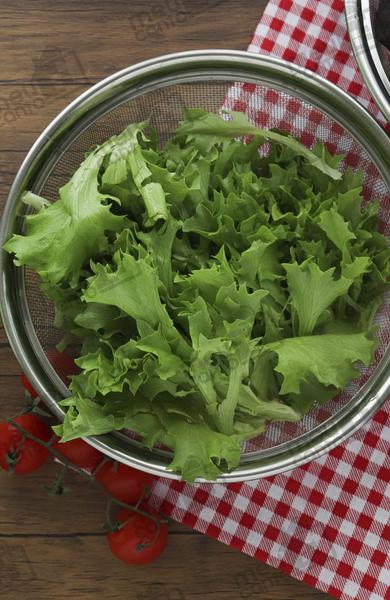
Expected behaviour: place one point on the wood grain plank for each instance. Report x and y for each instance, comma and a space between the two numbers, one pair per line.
106, 40
45, 569
28, 109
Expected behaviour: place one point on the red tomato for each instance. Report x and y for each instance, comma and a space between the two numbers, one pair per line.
63, 364
28, 455
79, 453
27, 386
140, 540
123, 482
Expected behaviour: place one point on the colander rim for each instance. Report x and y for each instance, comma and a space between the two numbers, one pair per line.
366, 53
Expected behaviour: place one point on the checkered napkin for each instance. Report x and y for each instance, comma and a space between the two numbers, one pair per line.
326, 523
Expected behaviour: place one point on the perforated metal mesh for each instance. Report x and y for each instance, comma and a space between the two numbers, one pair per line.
265, 106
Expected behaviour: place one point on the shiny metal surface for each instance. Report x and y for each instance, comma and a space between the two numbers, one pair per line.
359, 15
203, 68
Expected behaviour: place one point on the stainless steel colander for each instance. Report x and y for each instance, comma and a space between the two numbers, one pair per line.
274, 94
365, 25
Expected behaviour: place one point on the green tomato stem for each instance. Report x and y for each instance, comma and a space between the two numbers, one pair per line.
69, 465
137, 510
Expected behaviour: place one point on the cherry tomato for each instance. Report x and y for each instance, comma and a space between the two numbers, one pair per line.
123, 482
28, 387
79, 453
140, 540
27, 455
63, 364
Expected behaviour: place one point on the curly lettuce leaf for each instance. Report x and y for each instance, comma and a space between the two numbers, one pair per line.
312, 291
330, 358
62, 236
198, 450
337, 230
199, 123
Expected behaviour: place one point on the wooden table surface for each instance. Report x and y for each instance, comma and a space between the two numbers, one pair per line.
54, 547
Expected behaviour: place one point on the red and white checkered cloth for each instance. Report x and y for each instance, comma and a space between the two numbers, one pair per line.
326, 523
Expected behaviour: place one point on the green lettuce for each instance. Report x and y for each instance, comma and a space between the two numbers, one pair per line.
224, 281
